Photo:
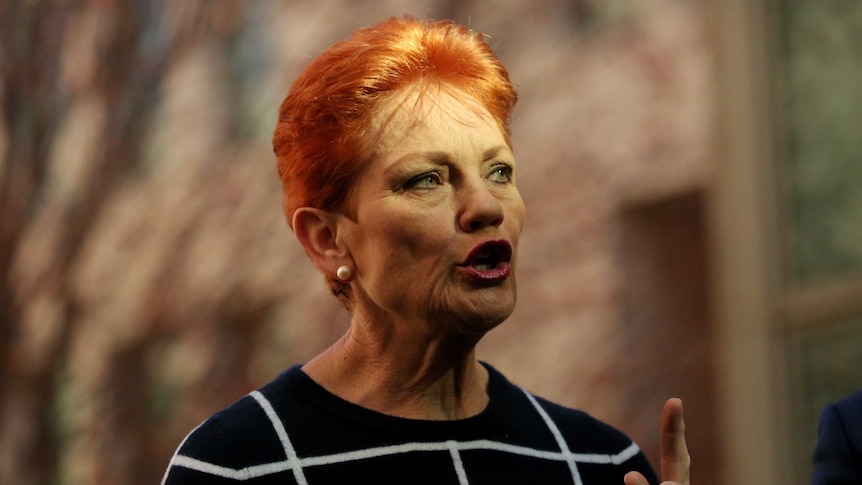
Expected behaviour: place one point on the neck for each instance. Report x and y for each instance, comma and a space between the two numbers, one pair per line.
404, 373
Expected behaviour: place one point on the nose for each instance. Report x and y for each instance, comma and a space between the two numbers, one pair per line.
480, 208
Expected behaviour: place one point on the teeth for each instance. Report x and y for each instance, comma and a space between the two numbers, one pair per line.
484, 266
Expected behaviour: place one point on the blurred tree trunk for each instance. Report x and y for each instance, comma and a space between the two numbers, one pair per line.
35, 98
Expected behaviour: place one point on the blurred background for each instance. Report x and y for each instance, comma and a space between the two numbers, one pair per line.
691, 170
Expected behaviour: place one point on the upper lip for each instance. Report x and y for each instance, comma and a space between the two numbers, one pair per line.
497, 250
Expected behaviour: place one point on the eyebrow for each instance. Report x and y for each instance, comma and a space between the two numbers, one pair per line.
438, 156
494, 151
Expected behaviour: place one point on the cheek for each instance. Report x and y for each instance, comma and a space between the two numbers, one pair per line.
418, 238
517, 215
410, 261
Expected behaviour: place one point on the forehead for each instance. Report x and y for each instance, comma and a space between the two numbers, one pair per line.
432, 115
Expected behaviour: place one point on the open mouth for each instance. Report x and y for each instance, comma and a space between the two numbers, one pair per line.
489, 255
489, 261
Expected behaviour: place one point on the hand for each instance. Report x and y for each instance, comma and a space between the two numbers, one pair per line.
675, 460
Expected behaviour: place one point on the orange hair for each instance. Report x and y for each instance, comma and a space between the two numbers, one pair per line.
323, 135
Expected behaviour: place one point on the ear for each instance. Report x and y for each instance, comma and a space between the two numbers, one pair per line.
317, 231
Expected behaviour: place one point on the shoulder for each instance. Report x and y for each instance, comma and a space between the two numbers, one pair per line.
214, 452
580, 429
219, 447
850, 405
839, 443
592, 442
583, 431
841, 424
256, 417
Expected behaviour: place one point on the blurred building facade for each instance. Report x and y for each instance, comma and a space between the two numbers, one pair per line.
787, 219
689, 168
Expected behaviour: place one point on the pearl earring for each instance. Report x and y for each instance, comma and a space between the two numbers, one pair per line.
343, 273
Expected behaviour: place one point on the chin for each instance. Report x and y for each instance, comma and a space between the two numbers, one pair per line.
481, 321
477, 311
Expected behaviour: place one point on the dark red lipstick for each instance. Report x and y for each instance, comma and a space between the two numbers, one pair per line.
488, 262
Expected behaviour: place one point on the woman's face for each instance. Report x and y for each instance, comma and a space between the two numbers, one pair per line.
437, 217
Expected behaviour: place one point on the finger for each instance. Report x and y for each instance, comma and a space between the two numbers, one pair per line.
635, 478
675, 460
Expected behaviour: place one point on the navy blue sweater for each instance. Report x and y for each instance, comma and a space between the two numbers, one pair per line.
293, 431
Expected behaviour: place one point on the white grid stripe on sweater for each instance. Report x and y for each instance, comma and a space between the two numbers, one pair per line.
454, 448
278, 426
561, 442
456, 460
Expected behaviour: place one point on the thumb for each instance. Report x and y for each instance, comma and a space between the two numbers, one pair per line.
635, 478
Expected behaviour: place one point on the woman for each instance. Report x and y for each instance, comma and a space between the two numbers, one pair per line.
399, 180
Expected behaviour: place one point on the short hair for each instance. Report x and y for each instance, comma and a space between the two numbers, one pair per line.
324, 135
324, 127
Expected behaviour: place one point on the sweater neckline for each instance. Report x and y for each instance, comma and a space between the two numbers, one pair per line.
472, 427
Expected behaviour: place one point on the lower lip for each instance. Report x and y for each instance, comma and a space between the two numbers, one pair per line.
493, 275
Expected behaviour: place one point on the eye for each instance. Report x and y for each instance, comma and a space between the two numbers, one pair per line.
427, 180
501, 174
